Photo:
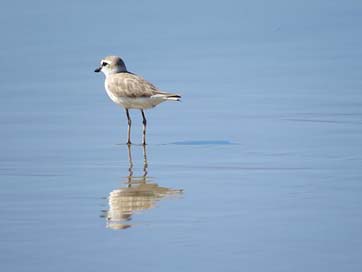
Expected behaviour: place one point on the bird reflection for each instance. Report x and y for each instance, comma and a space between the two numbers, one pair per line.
139, 194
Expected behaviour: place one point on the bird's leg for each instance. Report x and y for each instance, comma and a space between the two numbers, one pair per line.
144, 128
129, 127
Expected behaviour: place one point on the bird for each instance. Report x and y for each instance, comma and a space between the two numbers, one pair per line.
131, 91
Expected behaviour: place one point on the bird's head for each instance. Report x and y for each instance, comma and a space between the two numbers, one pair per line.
111, 65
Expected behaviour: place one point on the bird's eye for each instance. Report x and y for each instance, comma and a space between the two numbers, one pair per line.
104, 63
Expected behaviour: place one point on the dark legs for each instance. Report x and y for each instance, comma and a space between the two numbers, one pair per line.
129, 127
144, 128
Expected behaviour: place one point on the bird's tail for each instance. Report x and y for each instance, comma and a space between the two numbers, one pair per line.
170, 96
173, 97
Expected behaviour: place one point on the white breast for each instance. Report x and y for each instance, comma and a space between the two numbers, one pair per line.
110, 94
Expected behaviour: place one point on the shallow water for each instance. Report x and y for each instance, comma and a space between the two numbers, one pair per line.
257, 169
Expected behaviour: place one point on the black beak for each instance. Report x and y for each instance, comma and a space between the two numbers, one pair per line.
98, 69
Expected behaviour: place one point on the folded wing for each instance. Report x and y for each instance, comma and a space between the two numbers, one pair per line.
133, 86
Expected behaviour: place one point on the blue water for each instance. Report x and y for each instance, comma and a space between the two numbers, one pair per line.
259, 168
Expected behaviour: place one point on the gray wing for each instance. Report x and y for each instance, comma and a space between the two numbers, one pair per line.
130, 85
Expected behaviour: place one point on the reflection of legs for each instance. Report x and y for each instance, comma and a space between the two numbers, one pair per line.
145, 163
129, 127
130, 168
144, 127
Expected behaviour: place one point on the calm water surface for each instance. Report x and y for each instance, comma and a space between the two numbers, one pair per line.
259, 168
